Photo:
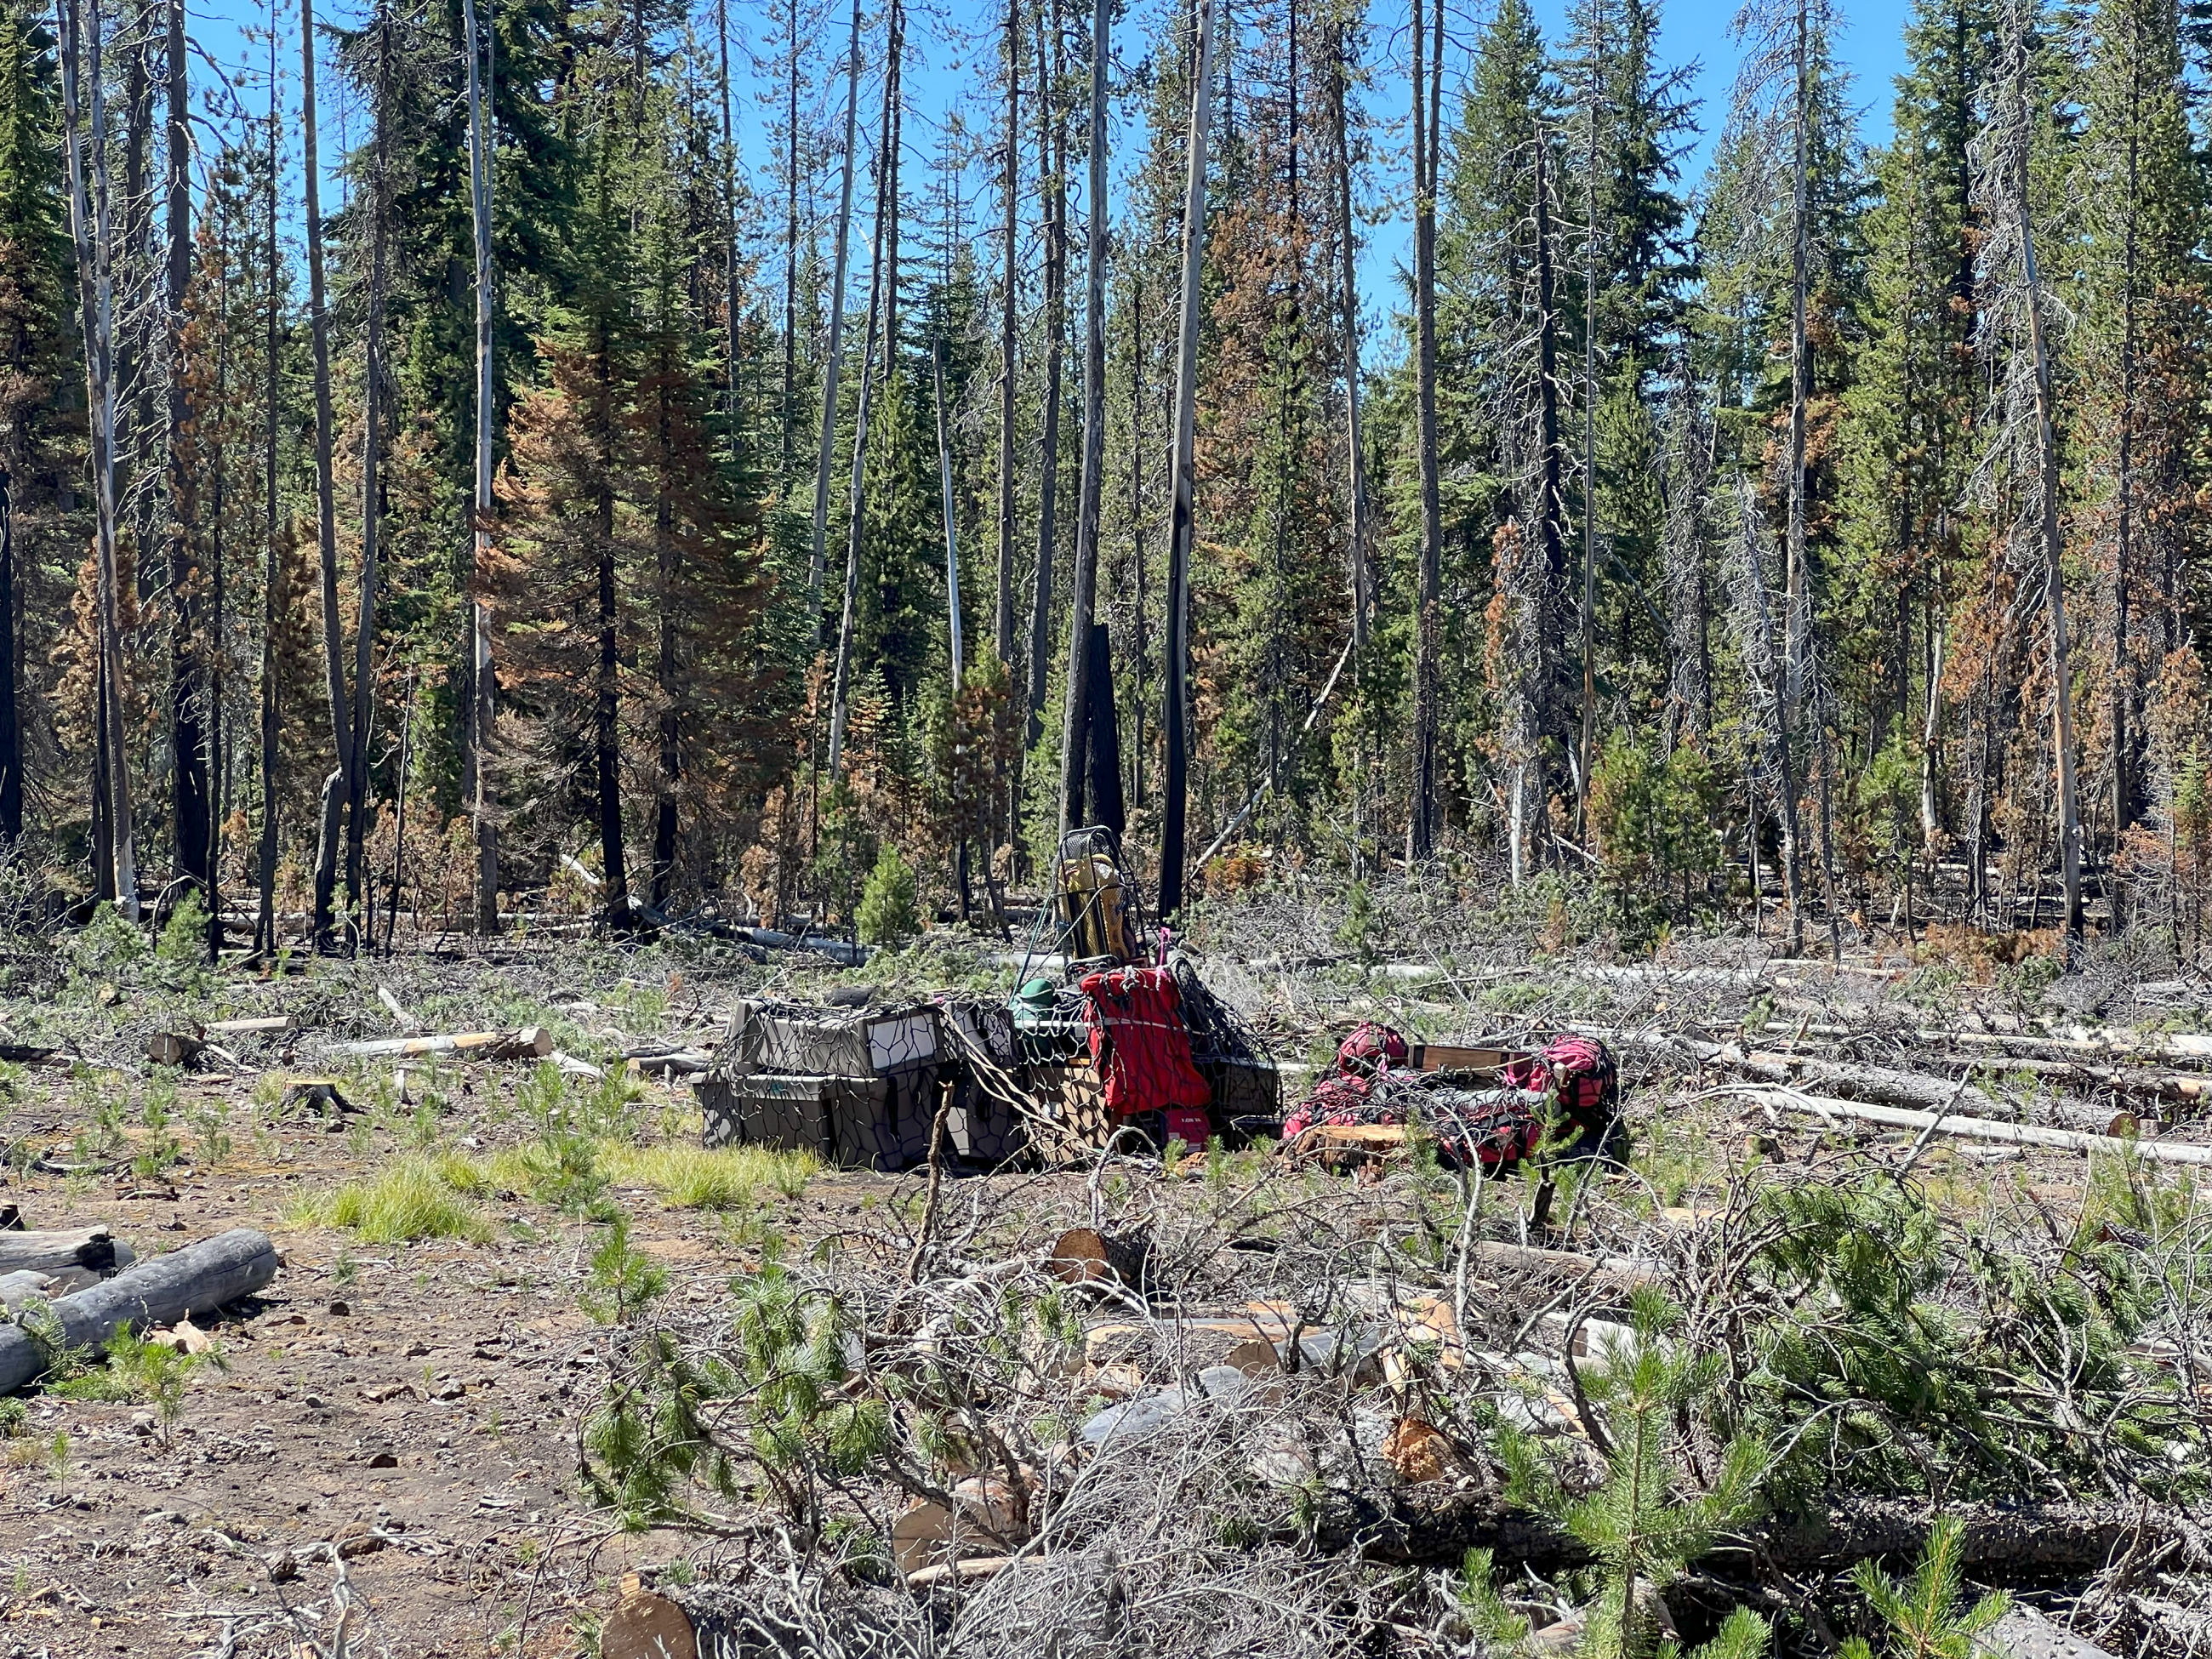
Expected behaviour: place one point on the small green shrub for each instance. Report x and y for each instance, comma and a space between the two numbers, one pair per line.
210, 1122
562, 1170
625, 1280
1360, 931
1924, 1617
1647, 1521
890, 903
180, 955
1652, 826
139, 1372
109, 950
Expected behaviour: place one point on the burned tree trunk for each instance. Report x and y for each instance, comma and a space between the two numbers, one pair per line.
1355, 458
372, 486
189, 705
1003, 630
11, 731
1183, 528
326, 535
1421, 823
483, 685
837, 341
86, 145
1074, 747
1052, 185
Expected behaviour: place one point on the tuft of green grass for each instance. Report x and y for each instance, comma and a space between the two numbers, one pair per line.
413, 1199
711, 1178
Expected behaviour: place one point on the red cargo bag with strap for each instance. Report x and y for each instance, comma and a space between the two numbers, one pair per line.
1139, 1043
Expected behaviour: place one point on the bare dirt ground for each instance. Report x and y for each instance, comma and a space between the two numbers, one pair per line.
414, 1405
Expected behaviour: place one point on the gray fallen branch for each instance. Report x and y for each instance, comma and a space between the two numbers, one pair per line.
1611, 1273
1853, 1079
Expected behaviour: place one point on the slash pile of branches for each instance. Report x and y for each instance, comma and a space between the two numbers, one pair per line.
1775, 1398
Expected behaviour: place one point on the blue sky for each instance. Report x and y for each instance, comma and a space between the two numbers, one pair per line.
1872, 46
944, 75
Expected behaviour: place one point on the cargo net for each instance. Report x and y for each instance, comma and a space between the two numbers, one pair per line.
901, 1042
978, 1022
1217, 1032
1093, 914
1567, 1092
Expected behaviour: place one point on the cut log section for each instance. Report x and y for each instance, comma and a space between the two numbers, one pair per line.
648, 1626
198, 1278
174, 1047
530, 1042
985, 1518
1084, 1255
1338, 1145
1421, 1454
18, 1286
266, 1026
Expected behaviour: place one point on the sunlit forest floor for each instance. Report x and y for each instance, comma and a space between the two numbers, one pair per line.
1850, 1327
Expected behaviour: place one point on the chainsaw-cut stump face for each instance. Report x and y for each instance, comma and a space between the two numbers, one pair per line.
648, 1626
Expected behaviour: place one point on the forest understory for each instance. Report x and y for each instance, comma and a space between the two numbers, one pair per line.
1776, 1374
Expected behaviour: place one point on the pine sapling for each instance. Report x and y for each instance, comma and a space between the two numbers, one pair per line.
1925, 1616
1642, 1526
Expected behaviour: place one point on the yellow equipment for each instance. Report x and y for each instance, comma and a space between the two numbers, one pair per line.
1099, 910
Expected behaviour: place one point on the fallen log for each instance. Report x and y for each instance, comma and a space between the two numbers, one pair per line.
25, 1282
844, 955
1971, 1128
196, 1278
2108, 1041
529, 1042
1622, 1273
2088, 1074
2025, 1633
1855, 1080
1995, 1051
77, 1255
2028, 1543
659, 1057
